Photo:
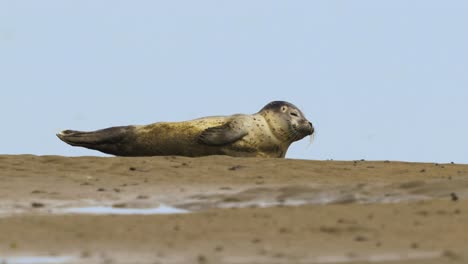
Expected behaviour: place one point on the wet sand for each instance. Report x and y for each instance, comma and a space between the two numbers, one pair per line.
242, 210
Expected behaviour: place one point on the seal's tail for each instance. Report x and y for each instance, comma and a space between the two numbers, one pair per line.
105, 140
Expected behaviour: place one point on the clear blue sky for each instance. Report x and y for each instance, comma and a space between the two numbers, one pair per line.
379, 79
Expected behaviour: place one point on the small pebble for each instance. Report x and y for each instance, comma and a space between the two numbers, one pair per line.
454, 197
233, 168
201, 259
37, 205
360, 238
219, 248
256, 240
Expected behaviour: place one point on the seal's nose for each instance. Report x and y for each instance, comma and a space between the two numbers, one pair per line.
311, 128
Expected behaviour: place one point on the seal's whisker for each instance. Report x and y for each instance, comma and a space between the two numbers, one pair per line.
312, 138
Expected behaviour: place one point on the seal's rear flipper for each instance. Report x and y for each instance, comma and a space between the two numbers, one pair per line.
95, 139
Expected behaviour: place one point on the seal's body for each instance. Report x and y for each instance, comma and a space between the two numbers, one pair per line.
267, 133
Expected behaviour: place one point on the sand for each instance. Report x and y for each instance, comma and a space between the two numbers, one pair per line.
242, 210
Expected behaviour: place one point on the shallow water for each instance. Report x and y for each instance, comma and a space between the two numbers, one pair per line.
321, 259
36, 260
91, 207
107, 210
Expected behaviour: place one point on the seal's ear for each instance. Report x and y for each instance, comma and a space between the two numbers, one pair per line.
221, 135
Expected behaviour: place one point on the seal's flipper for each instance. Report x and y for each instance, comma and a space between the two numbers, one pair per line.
221, 135
104, 136
113, 140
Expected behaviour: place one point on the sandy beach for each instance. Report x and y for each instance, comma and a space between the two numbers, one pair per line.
233, 210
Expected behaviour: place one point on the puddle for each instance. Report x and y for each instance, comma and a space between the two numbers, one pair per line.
35, 260
106, 210
91, 207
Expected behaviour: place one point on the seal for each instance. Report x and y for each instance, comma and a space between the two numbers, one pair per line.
268, 133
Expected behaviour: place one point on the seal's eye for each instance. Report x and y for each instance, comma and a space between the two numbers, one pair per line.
294, 114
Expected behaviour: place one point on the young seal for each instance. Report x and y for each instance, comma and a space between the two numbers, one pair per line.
267, 133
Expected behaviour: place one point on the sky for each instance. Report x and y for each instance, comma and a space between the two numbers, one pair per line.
380, 80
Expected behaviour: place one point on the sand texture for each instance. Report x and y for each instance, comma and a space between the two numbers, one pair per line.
240, 210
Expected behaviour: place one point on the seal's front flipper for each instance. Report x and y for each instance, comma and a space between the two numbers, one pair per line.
221, 135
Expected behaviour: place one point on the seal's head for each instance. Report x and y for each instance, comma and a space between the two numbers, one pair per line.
287, 121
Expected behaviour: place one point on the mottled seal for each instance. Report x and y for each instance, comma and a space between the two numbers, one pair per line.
267, 133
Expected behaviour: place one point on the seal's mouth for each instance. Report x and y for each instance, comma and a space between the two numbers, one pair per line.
299, 132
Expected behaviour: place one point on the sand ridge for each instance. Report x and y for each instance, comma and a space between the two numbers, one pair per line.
246, 210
